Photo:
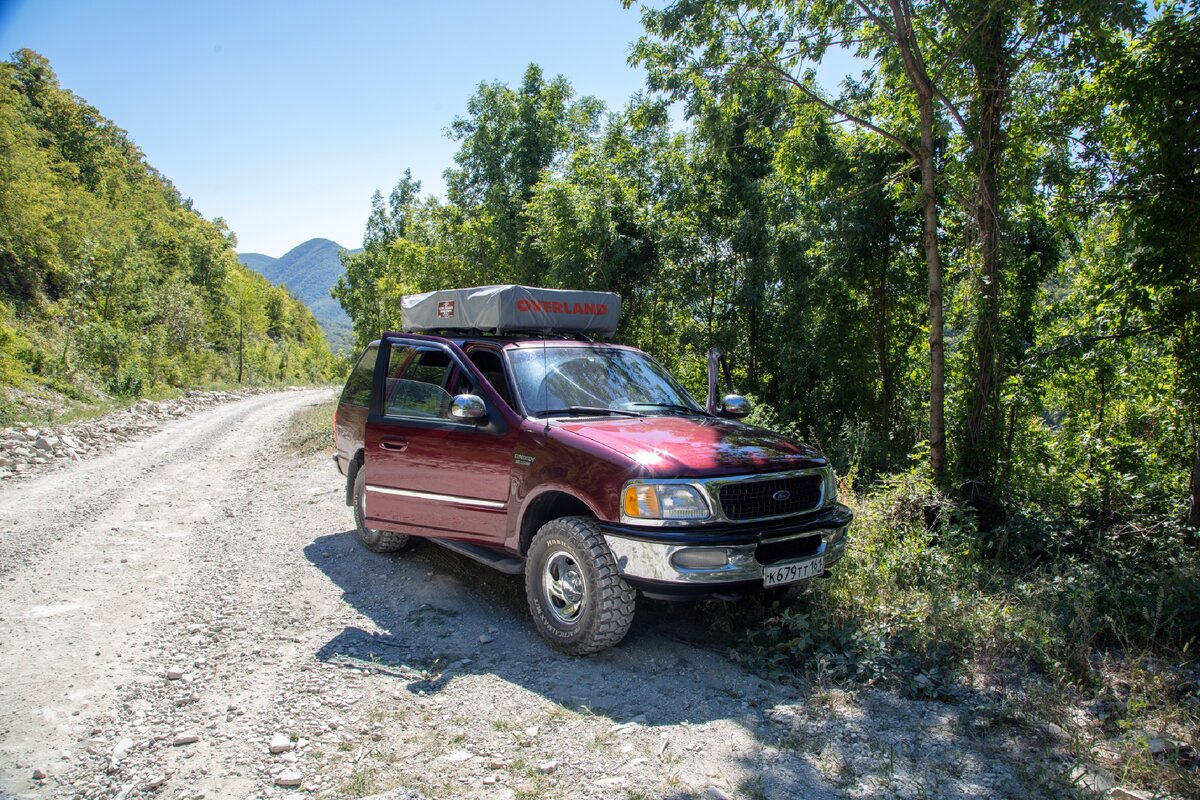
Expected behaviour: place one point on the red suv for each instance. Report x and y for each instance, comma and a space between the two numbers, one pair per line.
581, 464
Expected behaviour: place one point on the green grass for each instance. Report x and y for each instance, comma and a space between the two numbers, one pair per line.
361, 783
310, 430
930, 614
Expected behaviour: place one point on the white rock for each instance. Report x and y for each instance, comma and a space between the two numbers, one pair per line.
289, 777
715, 793
1091, 777
46, 443
486, 638
1118, 793
121, 750
185, 738
175, 673
459, 756
615, 780
547, 767
280, 743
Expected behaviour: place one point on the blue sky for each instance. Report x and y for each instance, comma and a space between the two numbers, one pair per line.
284, 117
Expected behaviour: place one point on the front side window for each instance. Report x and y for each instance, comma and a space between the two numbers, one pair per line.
561, 378
358, 385
416, 381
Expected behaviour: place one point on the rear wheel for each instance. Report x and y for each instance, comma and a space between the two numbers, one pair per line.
376, 540
579, 601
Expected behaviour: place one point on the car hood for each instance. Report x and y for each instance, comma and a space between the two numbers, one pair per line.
696, 446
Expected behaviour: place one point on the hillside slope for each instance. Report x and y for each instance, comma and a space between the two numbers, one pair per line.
112, 285
309, 270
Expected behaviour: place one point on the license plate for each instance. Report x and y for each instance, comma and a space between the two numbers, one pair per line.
779, 574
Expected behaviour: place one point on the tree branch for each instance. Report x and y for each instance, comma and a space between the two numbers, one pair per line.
771, 65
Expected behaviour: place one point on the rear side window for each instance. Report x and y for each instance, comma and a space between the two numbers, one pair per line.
416, 381
358, 385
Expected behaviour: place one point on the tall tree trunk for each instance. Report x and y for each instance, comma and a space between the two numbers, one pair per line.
918, 76
983, 419
1194, 510
241, 348
937, 355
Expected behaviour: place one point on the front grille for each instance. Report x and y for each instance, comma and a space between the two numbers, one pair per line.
755, 499
787, 549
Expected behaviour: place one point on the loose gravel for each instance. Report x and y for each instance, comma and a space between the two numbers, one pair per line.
188, 615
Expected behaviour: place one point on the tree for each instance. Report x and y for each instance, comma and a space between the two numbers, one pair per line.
952, 70
1150, 93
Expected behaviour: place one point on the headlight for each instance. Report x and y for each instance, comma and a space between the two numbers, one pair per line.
830, 486
662, 501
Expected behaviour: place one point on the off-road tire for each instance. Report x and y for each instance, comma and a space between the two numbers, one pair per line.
606, 610
374, 540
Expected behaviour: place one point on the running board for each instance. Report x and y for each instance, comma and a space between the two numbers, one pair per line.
510, 565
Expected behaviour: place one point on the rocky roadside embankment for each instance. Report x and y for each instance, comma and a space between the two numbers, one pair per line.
28, 450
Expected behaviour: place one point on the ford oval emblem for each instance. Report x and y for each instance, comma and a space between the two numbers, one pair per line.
781, 495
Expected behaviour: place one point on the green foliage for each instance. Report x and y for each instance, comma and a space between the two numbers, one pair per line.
115, 284
911, 598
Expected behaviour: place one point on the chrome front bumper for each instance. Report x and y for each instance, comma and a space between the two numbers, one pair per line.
656, 561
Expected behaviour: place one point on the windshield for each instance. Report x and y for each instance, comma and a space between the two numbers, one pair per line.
558, 379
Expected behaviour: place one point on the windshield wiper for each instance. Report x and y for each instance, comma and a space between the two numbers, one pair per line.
587, 410
674, 407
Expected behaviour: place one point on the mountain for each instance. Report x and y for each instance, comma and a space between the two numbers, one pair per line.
309, 270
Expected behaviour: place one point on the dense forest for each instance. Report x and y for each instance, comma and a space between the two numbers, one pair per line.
982, 255
111, 284
971, 274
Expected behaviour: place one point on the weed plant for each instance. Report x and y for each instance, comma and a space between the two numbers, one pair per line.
924, 604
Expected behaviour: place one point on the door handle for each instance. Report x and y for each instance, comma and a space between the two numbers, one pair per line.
396, 443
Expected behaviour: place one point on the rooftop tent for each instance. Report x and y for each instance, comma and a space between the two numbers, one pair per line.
504, 309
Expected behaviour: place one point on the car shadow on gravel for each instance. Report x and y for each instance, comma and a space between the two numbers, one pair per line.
436, 615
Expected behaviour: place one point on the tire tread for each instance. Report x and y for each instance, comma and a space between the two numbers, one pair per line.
615, 599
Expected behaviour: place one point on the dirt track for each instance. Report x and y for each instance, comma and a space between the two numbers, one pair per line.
168, 608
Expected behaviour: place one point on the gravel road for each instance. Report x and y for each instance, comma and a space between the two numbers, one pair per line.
189, 616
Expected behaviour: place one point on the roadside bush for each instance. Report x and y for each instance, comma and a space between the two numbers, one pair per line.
918, 603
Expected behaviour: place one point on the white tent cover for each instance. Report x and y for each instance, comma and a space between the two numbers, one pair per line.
503, 309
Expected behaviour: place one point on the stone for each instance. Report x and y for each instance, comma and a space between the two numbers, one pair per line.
485, 638
289, 777
1162, 746
185, 738
156, 781
46, 443
280, 743
459, 756
1088, 776
121, 750
175, 673
1118, 793
547, 767
715, 793
39, 775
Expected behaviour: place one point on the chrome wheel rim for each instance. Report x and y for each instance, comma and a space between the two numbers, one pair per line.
563, 587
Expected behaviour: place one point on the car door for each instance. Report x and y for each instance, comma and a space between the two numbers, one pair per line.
427, 473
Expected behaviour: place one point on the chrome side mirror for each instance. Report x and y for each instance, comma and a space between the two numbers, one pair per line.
734, 406
468, 407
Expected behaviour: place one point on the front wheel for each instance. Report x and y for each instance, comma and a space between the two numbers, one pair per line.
579, 601
374, 540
